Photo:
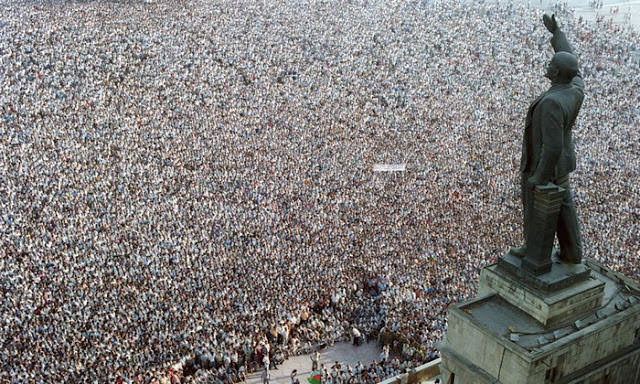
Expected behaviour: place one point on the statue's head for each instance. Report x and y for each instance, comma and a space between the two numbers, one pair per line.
562, 68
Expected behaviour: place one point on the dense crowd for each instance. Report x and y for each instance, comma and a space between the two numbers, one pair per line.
197, 175
374, 372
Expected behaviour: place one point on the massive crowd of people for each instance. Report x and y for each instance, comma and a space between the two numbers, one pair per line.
197, 175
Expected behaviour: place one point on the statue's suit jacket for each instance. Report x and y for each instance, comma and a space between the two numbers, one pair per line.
547, 147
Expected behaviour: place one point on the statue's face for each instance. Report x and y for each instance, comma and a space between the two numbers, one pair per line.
562, 65
552, 70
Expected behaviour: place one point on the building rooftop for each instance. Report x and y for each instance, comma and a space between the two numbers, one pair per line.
514, 325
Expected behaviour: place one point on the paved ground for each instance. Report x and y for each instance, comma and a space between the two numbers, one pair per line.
343, 352
628, 10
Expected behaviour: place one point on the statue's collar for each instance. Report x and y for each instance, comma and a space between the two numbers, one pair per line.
559, 86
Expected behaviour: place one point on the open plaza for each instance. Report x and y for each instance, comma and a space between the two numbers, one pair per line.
191, 183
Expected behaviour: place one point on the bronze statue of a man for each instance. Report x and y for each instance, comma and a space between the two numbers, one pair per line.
548, 157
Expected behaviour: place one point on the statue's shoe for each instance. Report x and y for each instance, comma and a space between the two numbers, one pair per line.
557, 255
520, 252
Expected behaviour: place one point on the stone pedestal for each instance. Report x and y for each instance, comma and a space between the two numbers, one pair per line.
587, 330
566, 292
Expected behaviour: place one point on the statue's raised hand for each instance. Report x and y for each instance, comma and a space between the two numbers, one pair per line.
550, 22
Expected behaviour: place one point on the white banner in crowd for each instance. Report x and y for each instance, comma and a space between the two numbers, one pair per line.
389, 167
